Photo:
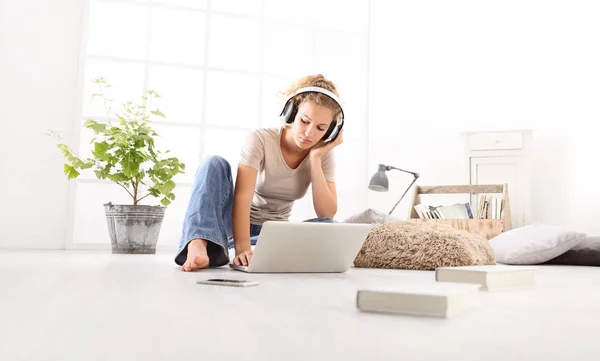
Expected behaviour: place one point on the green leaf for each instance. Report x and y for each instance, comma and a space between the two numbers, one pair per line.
70, 172
100, 150
118, 177
89, 122
65, 150
153, 93
154, 192
166, 187
158, 113
95, 126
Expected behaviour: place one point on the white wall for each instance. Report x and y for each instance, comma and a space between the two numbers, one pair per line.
439, 68
39, 43
41, 89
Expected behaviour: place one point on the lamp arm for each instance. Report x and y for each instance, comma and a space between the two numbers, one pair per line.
389, 167
410, 185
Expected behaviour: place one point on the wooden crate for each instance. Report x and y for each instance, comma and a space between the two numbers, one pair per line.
487, 228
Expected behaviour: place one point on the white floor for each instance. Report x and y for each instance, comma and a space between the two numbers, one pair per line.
69, 305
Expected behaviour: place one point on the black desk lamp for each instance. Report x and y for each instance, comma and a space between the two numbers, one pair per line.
379, 181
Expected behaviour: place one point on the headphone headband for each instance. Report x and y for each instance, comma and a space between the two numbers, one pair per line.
316, 89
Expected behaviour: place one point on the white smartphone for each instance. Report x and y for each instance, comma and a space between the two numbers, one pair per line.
227, 282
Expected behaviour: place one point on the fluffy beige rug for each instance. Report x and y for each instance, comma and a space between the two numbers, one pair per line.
422, 246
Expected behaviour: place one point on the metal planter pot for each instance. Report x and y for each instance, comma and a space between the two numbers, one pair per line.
134, 229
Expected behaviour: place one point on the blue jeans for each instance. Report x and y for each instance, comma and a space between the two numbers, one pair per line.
209, 213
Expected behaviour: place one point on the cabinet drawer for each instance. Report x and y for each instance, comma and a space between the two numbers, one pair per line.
491, 141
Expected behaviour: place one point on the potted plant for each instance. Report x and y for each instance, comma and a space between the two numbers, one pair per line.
124, 152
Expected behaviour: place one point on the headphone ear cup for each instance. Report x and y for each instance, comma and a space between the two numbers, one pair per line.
330, 130
289, 112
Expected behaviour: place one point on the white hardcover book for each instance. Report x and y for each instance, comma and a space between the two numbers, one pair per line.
419, 210
424, 299
499, 208
492, 277
455, 211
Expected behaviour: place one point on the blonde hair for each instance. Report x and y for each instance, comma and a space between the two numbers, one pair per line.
316, 98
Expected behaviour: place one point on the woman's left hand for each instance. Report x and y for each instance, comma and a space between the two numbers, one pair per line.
322, 148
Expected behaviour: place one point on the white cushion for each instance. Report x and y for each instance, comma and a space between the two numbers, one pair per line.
534, 244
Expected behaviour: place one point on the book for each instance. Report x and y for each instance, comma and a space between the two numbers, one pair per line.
488, 207
455, 211
432, 299
492, 277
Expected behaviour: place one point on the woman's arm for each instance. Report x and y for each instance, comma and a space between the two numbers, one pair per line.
324, 193
242, 199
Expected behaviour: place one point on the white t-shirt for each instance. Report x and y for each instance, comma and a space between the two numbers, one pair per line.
277, 185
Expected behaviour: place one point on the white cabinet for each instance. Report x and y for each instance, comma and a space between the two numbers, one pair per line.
498, 158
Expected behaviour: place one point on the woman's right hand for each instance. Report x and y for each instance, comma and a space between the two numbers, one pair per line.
243, 259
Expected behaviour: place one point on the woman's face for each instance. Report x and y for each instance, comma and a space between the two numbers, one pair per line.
311, 124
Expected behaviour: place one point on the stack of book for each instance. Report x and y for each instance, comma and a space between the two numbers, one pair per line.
489, 207
454, 290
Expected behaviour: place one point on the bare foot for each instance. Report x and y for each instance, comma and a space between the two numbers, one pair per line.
197, 258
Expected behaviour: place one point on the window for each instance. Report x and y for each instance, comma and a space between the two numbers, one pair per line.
219, 66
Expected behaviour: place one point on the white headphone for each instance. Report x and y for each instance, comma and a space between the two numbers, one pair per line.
288, 113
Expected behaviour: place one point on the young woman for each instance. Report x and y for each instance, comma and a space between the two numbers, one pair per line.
276, 167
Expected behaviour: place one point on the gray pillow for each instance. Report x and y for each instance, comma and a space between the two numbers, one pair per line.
586, 253
371, 216
534, 244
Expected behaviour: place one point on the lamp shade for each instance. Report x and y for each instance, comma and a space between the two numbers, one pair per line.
379, 181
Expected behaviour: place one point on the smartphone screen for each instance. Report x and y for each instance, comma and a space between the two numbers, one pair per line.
227, 282
224, 280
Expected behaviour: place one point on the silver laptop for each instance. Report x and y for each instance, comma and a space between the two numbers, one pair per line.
306, 247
